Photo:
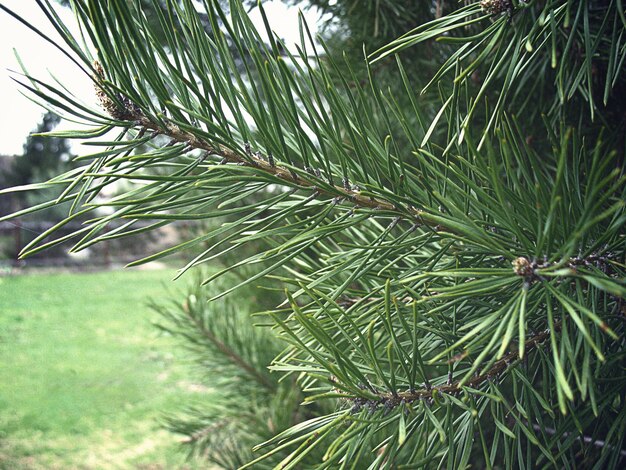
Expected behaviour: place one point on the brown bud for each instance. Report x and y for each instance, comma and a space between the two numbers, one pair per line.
127, 111
522, 266
494, 7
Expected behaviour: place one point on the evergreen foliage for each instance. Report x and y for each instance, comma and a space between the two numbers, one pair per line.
249, 404
449, 246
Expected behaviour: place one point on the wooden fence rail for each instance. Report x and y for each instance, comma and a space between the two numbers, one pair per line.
16, 234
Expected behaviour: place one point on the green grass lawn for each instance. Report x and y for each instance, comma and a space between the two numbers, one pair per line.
85, 376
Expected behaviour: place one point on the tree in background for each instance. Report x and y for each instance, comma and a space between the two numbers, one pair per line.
43, 156
249, 404
448, 245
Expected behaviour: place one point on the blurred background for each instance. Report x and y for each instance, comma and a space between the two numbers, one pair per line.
86, 379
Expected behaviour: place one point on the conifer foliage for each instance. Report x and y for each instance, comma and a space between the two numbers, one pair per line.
448, 245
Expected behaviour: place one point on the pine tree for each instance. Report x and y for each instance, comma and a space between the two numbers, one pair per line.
43, 157
449, 249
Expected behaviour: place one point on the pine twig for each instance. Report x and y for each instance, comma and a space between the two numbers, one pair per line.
124, 109
232, 356
394, 399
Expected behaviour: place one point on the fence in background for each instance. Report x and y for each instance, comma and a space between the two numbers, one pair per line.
16, 234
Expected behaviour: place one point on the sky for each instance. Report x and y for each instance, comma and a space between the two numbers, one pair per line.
19, 115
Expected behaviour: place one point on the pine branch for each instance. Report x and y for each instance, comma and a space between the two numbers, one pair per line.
123, 109
204, 433
394, 399
382, 307
531, 269
230, 354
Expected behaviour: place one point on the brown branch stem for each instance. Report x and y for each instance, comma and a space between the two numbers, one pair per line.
391, 400
230, 354
173, 131
289, 177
